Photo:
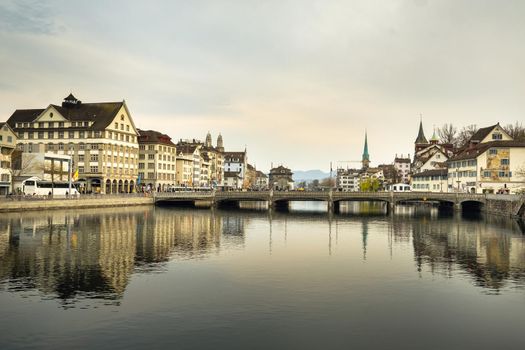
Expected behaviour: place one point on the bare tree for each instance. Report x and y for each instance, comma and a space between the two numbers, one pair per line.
465, 134
516, 131
447, 133
24, 164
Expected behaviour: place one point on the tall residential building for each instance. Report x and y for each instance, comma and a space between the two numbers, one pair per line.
402, 167
7, 146
209, 168
191, 150
157, 160
101, 138
237, 162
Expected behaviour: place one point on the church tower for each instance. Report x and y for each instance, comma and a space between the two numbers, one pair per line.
366, 157
421, 141
208, 140
220, 145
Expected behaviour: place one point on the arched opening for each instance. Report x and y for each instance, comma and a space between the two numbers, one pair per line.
131, 186
126, 186
114, 187
95, 186
120, 186
108, 186
471, 207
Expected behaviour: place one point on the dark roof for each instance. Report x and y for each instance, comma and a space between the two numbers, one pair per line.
231, 155
232, 174
151, 136
102, 114
433, 172
421, 139
402, 160
482, 133
186, 148
261, 174
474, 151
280, 170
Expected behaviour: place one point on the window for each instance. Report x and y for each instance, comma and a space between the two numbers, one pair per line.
50, 134
30, 135
504, 162
60, 124
127, 127
94, 157
30, 147
122, 127
51, 115
20, 134
116, 125
81, 146
141, 165
73, 124
493, 151
151, 148
86, 124
122, 117
10, 139
51, 125
80, 169
81, 134
151, 165
50, 147
40, 124
71, 134
61, 146
151, 156
60, 134
94, 146
80, 157
94, 169
501, 174
486, 174
497, 136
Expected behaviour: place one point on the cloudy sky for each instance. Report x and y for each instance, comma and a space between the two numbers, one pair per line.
297, 82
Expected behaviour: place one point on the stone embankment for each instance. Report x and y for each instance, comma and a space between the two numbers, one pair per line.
24, 204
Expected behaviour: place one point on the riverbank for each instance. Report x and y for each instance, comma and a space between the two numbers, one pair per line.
95, 202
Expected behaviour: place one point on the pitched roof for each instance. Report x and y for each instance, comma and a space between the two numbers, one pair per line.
151, 136
433, 172
261, 174
482, 133
477, 149
102, 114
186, 148
402, 160
234, 155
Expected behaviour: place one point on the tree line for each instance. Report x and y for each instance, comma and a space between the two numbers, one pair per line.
448, 133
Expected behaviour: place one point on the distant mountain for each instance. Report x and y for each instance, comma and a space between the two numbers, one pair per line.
309, 175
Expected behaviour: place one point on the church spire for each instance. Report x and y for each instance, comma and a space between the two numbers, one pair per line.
421, 139
366, 157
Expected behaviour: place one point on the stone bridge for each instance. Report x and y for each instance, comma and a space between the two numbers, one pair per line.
282, 198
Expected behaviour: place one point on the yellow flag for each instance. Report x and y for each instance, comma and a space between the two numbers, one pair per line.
75, 175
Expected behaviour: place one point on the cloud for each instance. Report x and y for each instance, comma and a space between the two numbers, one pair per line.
28, 16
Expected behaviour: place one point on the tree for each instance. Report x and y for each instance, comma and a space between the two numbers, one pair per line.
447, 133
328, 182
520, 175
516, 131
370, 185
465, 134
24, 164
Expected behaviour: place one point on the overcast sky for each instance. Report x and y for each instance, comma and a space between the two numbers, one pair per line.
297, 82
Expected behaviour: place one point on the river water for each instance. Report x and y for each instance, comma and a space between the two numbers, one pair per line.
180, 278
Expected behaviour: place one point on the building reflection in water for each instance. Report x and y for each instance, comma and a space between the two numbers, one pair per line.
91, 254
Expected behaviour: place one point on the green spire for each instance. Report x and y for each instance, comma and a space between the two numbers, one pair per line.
366, 156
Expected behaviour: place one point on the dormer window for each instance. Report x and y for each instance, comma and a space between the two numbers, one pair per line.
497, 136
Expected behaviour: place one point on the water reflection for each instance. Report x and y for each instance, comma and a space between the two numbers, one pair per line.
92, 254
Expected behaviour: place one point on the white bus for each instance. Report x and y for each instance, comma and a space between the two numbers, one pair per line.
37, 187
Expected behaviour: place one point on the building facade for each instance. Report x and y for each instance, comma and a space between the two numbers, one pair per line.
430, 181
237, 162
157, 166
100, 137
402, 167
491, 162
8, 142
281, 179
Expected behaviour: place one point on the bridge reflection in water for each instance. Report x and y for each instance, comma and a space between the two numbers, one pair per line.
74, 256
